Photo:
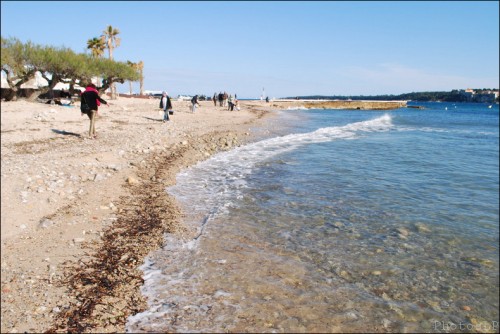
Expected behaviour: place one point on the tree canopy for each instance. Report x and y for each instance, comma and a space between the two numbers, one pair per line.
96, 46
21, 61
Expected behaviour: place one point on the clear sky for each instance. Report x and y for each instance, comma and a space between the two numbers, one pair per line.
288, 48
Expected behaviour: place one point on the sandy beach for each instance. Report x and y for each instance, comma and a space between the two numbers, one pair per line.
79, 215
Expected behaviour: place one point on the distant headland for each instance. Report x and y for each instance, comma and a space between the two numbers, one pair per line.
484, 95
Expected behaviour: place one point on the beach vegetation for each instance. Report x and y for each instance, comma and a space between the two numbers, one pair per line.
21, 61
139, 67
16, 67
111, 41
96, 46
133, 65
57, 65
113, 71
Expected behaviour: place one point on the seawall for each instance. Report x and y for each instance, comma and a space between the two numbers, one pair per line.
339, 104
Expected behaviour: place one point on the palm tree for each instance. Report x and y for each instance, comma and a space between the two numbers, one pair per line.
110, 39
140, 67
134, 66
96, 46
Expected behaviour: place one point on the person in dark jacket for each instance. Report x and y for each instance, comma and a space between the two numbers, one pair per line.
166, 105
194, 102
221, 99
91, 98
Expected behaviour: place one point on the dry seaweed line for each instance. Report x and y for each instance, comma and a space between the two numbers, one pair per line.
104, 286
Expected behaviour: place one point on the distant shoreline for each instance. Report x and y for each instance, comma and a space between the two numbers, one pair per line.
456, 95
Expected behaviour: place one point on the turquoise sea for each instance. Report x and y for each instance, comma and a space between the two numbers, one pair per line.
338, 221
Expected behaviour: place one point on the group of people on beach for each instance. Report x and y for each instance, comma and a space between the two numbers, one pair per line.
226, 100
90, 102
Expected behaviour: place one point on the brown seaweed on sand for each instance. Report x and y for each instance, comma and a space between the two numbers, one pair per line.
105, 285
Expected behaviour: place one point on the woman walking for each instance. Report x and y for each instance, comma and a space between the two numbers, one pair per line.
90, 102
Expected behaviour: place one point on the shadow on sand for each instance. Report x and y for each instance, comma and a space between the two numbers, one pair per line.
66, 133
154, 119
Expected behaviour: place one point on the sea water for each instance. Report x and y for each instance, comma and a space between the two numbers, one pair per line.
338, 221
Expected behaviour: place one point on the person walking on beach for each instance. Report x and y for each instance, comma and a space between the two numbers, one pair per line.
215, 99
90, 98
166, 105
221, 98
194, 102
230, 102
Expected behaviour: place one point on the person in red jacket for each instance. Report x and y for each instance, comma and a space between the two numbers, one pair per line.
91, 98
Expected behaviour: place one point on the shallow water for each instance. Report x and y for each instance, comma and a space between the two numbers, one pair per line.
346, 221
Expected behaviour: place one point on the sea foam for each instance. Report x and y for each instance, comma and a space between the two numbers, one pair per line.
210, 185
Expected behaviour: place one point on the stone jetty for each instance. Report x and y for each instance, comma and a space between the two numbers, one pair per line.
339, 104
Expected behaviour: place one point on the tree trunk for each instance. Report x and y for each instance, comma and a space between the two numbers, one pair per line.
15, 88
108, 83
50, 88
72, 87
141, 77
11, 95
33, 96
112, 86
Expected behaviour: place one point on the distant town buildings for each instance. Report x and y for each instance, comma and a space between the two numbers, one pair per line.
486, 96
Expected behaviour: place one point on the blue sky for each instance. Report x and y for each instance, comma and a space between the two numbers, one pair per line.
287, 47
